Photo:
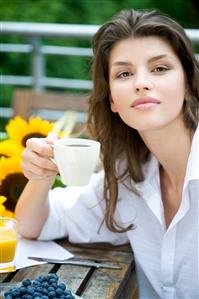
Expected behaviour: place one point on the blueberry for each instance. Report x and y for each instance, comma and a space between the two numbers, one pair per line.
39, 289
54, 276
52, 294
52, 280
30, 290
22, 290
8, 293
59, 291
62, 286
44, 297
36, 294
45, 285
36, 283
8, 296
51, 289
44, 292
26, 282
67, 292
16, 293
13, 289
54, 285
27, 296
39, 279
49, 276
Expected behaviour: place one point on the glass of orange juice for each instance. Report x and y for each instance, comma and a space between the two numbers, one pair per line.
8, 243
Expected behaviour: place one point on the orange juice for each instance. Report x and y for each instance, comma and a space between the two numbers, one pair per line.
8, 241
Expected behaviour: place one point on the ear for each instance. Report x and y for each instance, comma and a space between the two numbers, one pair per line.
112, 104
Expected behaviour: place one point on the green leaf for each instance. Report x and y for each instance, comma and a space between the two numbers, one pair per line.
58, 182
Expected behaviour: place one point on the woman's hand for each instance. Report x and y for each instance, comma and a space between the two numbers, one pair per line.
36, 163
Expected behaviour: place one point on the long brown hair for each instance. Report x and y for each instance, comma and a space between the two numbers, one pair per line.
118, 139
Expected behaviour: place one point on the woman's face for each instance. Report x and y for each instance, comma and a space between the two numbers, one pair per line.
147, 83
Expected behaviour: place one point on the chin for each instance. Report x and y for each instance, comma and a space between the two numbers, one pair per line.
147, 127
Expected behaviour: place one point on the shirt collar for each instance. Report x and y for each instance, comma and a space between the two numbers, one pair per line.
151, 174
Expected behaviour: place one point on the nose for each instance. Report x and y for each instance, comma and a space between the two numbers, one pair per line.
142, 82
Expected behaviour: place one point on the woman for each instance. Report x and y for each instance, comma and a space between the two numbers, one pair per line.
144, 109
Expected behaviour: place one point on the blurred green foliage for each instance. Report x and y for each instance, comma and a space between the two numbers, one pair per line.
74, 12
92, 11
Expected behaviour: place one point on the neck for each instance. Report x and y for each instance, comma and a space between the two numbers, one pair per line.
171, 146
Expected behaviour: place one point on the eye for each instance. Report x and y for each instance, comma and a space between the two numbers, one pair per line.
160, 69
124, 75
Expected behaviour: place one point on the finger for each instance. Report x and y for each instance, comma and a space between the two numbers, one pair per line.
39, 146
52, 136
31, 158
36, 171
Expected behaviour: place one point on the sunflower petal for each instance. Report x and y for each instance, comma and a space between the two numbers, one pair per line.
2, 210
19, 130
9, 148
2, 199
9, 166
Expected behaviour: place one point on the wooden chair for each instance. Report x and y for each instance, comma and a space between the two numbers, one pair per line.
26, 102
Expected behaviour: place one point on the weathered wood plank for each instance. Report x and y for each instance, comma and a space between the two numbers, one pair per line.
94, 252
72, 276
3, 276
106, 283
103, 246
32, 272
130, 288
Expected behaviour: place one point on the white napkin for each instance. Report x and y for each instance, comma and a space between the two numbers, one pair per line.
46, 249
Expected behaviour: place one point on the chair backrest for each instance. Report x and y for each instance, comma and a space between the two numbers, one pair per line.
26, 102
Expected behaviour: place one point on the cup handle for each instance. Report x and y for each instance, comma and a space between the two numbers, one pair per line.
52, 159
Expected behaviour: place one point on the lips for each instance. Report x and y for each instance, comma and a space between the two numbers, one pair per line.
145, 102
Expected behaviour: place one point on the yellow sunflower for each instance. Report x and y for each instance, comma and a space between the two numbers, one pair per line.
2, 208
8, 148
12, 180
3, 211
20, 130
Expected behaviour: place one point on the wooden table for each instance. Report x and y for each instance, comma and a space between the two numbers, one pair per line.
88, 282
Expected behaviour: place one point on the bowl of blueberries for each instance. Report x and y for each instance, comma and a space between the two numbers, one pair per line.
43, 287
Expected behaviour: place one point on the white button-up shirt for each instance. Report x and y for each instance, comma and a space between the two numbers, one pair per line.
167, 259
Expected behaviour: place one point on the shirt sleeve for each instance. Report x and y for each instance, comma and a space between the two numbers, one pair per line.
77, 213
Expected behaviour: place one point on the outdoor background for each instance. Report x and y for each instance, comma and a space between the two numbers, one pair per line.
93, 12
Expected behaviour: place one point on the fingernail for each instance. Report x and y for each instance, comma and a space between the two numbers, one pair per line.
52, 136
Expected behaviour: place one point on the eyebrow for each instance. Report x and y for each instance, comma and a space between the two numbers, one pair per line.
158, 57
127, 63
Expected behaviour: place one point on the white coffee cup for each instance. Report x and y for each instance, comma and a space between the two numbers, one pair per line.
76, 159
